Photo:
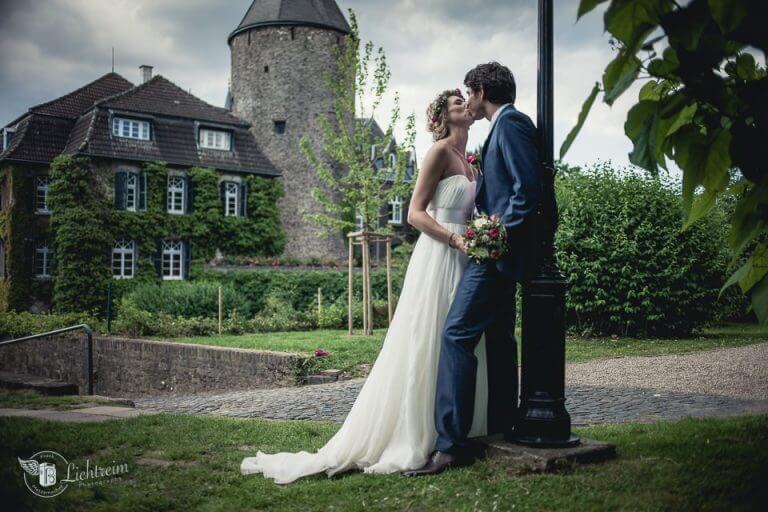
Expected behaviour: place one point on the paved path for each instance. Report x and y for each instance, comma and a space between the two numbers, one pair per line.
712, 383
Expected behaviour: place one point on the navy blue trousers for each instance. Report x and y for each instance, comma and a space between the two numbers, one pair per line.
484, 302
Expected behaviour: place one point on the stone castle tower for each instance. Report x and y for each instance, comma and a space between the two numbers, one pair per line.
279, 53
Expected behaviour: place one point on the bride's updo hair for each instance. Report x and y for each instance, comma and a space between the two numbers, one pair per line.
436, 120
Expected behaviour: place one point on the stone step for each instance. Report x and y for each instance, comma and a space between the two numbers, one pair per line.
324, 377
42, 385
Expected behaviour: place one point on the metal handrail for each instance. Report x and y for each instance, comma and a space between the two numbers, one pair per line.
88, 348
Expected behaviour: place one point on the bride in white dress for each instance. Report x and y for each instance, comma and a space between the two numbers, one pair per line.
391, 425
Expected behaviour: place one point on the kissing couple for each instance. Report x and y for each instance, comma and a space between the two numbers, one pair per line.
447, 371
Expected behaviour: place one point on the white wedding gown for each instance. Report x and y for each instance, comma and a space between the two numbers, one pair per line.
391, 425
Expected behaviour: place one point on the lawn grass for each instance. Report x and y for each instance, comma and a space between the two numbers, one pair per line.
354, 354
29, 399
179, 462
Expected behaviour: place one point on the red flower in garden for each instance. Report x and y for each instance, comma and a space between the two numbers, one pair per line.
320, 352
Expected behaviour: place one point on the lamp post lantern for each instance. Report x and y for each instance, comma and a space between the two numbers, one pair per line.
543, 420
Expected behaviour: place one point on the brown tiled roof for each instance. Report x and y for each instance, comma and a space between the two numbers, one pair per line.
72, 105
52, 128
161, 96
38, 138
173, 140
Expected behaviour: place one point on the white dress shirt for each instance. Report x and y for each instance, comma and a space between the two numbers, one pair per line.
495, 115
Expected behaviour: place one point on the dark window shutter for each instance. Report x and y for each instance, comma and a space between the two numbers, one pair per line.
244, 198
29, 257
159, 257
120, 181
189, 187
187, 259
222, 188
143, 190
31, 193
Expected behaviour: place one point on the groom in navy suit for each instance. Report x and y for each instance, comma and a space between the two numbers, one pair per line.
510, 186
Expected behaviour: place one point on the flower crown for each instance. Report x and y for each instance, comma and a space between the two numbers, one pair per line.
441, 103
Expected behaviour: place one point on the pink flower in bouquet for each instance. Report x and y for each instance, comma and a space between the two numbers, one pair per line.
471, 158
320, 352
494, 217
470, 234
493, 233
494, 254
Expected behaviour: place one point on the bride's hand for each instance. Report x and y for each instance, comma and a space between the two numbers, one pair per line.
458, 242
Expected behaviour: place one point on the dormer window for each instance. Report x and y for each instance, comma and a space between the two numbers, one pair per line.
130, 128
392, 160
215, 139
7, 137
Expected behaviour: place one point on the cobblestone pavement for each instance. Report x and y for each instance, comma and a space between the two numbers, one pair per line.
587, 403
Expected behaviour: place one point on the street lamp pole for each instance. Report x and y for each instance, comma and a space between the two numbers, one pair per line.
543, 420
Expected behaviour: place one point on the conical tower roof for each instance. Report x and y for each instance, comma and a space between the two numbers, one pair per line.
308, 13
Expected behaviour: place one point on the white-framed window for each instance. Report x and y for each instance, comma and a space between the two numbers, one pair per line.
124, 259
396, 213
130, 128
41, 194
131, 191
232, 199
215, 139
392, 161
43, 260
173, 253
176, 194
358, 220
7, 137
373, 152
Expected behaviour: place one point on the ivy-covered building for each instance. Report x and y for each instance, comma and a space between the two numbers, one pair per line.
157, 175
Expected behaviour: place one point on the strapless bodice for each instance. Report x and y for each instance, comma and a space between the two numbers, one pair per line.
453, 200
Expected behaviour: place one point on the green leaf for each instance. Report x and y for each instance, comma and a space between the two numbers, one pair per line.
715, 175
728, 14
619, 75
745, 66
759, 297
587, 5
632, 20
585, 108
685, 116
639, 128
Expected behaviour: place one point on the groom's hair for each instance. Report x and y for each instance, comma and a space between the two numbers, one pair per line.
495, 80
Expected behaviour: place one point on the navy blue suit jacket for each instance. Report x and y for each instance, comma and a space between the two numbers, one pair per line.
510, 186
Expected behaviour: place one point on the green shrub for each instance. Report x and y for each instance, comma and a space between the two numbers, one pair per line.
299, 287
18, 325
188, 299
631, 271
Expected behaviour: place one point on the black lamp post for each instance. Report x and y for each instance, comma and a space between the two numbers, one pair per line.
543, 420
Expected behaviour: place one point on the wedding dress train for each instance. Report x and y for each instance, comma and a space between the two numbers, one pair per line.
391, 424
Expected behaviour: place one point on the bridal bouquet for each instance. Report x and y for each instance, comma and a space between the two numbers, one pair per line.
485, 238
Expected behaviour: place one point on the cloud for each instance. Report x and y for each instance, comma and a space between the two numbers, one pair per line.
50, 47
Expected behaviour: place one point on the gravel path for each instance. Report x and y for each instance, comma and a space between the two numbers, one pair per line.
739, 372
713, 383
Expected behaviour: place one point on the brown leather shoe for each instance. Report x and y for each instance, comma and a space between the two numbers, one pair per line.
437, 463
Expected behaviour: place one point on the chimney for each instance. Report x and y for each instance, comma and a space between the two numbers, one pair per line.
146, 73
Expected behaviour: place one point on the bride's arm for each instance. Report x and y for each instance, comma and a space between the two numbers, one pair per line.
428, 177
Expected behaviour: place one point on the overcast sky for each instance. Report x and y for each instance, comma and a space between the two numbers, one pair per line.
50, 47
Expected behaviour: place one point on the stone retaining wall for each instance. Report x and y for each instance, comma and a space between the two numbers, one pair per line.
132, 367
